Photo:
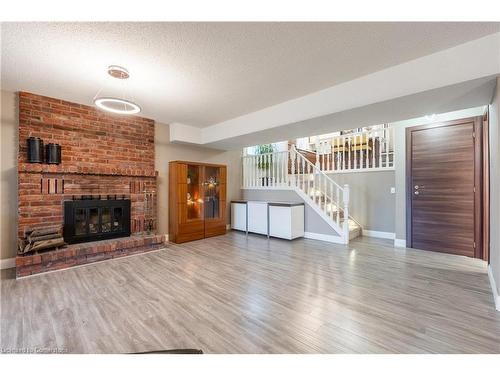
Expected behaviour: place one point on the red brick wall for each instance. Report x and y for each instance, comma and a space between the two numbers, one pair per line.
101, 154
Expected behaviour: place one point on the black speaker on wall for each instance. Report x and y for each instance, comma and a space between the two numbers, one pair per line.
35, 150
53, 153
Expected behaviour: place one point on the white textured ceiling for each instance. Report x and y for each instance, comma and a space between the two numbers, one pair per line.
204, 73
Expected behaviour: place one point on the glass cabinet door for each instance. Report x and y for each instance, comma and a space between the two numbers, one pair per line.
194, 192
211, 187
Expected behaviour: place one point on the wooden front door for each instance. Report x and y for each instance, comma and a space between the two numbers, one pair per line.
443, 187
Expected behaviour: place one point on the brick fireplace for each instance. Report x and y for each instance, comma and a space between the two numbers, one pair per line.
104, 157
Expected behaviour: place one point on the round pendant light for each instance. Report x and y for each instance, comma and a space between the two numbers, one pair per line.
117, 105
113, 104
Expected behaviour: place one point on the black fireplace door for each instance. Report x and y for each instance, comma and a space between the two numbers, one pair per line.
94, 220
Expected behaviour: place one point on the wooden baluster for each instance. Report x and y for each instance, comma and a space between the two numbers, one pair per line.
388, 144
270, 168
380, 138
330, 155
317, 151
339, 155
337, 202
285, 167
325, 192
367, 162
275, 172
349, 156
294, 156
284, 159
308, 184
313, 179
327, 156
355, 157
278, 168
272, 160
344, 152
331, 200
265, 171
282, 177
303, 174
346, 214
318, 190
373, 150
361, 157
243, 161
322, 148
260, 162
245, 172
251, 169
256, 170
277, 157
367, 156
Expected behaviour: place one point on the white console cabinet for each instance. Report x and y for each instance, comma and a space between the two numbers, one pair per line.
274, 219
239, 215
286, 220
257, 217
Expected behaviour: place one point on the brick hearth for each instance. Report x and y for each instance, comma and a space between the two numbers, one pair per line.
101, 154
89, 252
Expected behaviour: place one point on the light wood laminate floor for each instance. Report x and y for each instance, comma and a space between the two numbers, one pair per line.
232, 294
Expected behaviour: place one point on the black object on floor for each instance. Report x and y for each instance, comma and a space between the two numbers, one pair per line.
173, 351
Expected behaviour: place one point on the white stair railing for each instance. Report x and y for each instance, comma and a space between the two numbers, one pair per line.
292, 170
358, 151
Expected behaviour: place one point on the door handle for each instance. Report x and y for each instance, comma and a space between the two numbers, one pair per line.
416, 192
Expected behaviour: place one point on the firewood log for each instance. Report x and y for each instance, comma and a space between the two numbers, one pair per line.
31, 238
47, 244
42, 232
20, 246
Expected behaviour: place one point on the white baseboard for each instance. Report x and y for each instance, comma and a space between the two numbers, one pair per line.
399, 242
323, 237
378, 234
228, 226
7, 263
494, 289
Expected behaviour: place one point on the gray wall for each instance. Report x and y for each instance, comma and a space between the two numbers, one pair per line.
371, 201
312, 221
494, 186
9, 121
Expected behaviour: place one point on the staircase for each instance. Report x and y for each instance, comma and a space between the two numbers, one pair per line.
291, 170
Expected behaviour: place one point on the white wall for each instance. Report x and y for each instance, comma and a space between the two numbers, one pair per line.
494, 188
400, 158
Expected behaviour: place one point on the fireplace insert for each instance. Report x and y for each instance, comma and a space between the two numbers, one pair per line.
96, 219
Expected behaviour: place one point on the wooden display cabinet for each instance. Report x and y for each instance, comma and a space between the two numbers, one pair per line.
197, 200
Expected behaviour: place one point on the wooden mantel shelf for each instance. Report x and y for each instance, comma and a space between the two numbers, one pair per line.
24, 167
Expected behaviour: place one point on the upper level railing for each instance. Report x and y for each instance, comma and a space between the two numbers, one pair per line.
363, 150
